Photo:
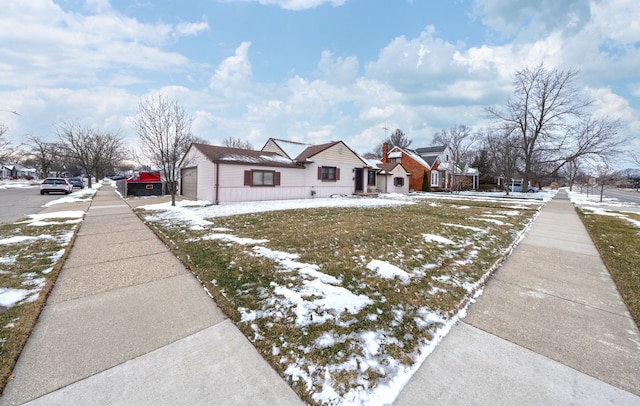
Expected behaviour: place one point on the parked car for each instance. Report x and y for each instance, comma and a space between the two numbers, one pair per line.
517, 187
60, 185
77, 182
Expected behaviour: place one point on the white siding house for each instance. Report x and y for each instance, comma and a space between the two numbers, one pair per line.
222, 175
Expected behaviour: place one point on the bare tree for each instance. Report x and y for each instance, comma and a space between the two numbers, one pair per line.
503, 147
6, 151
460, 140
107, 152
93, 151
399, 139
164, 130
47, 156
375, 153
236, 142
542, 111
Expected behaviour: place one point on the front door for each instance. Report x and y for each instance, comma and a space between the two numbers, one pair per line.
359, 180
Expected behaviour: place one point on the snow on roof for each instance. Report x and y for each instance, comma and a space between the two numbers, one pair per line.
243, 156
291, 148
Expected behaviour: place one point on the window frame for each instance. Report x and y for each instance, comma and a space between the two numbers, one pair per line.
435, 175
398, 181
249, 178
324, 173
371, 178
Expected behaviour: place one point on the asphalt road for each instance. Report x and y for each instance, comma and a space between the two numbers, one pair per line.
18, 202
623, 195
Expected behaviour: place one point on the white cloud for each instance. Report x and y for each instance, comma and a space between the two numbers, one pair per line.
617, 20
186, 29
337, 69
294, 4
57, 47
233, 76
533, 18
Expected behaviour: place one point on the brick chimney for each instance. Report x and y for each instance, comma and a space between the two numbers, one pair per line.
385, 153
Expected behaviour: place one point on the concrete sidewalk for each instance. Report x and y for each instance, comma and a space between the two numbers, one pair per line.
126, 323
550, 329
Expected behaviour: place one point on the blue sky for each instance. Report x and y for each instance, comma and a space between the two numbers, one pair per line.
306, 70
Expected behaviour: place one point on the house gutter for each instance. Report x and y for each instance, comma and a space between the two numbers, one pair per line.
217, 182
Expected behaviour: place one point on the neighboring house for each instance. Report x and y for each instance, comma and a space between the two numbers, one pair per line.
392, 178
281, 170
434, 162
443, 170
17, 171
413, 163
386, 177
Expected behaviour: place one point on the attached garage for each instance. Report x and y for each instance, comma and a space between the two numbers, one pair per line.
189, 182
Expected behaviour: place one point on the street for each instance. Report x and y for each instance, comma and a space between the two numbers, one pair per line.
623, 195
18, 202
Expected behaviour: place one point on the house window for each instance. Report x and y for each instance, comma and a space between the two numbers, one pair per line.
261, 178
371, 178
328, 173
435, 178
398, 181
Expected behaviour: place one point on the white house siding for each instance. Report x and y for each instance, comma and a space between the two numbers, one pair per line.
206, 174
344, 186
398, 172
338, 153
271, 146
232, 188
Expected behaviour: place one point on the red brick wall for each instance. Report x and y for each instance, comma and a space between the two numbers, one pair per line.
413, 167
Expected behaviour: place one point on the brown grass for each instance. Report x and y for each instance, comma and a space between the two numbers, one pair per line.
18, 321
341, 242
618, 241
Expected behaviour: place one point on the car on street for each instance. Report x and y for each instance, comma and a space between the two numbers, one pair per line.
77, 182
517, 187
57, 185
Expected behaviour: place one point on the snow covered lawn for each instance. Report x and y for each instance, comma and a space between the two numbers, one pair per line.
345, 297
30, 256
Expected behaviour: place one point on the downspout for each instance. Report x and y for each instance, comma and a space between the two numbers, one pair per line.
217, 182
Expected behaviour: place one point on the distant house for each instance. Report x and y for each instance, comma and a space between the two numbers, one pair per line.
281, 170
17, 171
413, 163
436, 163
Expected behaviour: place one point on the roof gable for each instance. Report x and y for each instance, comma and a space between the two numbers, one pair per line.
431, 154
315, 150
290, 149
389, 167
411, 154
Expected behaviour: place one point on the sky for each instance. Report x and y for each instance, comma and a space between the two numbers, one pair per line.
311, 71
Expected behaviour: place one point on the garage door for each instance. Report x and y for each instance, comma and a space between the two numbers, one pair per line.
188, 183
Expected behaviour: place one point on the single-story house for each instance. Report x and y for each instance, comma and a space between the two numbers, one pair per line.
281, 170
17, 171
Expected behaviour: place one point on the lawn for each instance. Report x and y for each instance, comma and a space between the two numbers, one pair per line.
616, 235
345, 302
31, 254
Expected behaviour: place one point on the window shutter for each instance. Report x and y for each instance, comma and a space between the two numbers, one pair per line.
277, 179
247, 178
319, 172
337, 173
